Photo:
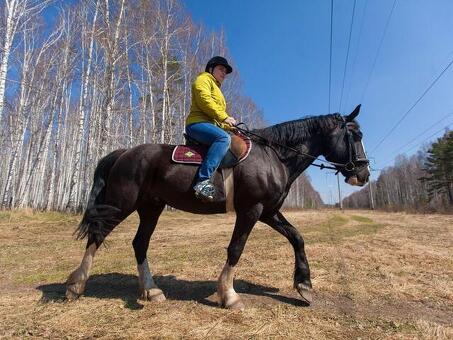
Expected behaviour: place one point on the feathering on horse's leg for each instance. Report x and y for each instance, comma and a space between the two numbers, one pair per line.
245, 221
148, 290
302, 280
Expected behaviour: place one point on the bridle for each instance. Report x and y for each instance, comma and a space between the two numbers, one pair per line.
353, 154
355, 161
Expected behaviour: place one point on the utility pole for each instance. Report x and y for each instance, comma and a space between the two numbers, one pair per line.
340, 202
370, 190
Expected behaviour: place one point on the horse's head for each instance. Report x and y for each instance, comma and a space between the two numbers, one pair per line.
345, 147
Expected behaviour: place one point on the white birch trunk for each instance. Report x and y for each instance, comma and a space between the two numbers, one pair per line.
11, 26
15, 10
164, 53
76, 177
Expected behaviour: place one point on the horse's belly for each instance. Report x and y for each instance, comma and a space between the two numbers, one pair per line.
176, 189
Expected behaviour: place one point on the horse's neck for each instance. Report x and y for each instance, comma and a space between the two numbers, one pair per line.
297, 163
304, 135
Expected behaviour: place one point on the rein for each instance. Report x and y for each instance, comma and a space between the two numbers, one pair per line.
350, 166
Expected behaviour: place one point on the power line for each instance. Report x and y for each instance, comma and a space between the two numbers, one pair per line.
416, 102
422, 142
330, 59
357, 52
423, 132
347, 54
435, 133
378, 51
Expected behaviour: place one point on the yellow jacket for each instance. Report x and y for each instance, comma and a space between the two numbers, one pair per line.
208, 103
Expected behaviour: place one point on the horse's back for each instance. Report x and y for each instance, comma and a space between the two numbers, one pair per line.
148, 173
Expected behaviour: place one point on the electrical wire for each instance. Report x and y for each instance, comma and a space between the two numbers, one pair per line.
413, 105
423, 132
347, 54
378, 51
330, 58
422, 142
357, 50
430, 136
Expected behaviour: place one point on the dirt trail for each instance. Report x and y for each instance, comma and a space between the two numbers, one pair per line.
376, 275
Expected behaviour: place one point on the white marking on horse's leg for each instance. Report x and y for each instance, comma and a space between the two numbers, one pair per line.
228, 297
147, 287
75, 284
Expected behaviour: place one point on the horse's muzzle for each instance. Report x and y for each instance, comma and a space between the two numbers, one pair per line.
354, 181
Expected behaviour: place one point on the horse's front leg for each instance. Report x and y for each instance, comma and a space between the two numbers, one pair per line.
302, 280
245, 221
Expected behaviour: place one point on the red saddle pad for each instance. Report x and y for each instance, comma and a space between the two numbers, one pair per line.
189, 154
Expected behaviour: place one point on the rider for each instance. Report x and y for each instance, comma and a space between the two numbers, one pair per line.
207, 122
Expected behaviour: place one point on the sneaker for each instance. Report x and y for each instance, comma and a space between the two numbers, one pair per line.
204, 190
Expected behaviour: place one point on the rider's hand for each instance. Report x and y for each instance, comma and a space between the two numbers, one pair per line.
230, 121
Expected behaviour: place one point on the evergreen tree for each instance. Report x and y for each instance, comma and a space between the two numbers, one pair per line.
439, 168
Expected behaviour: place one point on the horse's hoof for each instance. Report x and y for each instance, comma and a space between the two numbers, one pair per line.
232, 302
305, 292
73, 291
153, 294
237, 305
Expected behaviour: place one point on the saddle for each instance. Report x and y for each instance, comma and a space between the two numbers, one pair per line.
194, 152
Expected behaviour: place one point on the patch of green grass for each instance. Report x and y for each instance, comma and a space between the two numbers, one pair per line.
361, 219
337, 220
43, 277
5, 216
337, 228
362, 229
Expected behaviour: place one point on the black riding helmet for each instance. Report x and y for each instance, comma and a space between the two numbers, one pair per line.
214, 61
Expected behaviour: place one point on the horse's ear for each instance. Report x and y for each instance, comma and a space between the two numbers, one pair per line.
350, 117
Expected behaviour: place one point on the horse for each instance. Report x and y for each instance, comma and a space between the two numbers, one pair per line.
144, 179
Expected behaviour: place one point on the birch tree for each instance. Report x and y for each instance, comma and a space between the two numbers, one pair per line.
17, 13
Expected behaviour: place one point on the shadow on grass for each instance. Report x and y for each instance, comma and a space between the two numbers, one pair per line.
125, 287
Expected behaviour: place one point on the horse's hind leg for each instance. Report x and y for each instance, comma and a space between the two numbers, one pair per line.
149, 215
75, 284
245, 221
96, 224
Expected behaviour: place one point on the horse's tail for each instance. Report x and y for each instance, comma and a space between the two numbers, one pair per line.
99, 219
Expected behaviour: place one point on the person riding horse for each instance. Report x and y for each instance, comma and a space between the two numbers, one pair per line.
208, 121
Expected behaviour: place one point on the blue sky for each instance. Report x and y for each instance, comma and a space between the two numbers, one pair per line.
281, 50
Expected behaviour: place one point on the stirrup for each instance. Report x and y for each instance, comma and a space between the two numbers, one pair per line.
205, 191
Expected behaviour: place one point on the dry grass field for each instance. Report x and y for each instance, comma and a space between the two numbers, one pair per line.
375, 275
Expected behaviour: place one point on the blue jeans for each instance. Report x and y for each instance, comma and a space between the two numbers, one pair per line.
218, 141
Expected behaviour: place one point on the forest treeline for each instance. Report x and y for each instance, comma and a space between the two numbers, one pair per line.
78, 81
422, 182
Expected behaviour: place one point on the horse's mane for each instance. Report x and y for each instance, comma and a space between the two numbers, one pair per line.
295, 131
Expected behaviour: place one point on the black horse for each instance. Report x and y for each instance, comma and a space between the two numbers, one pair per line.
145, 179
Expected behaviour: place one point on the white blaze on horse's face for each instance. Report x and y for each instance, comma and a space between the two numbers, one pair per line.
352, 180
359, 170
